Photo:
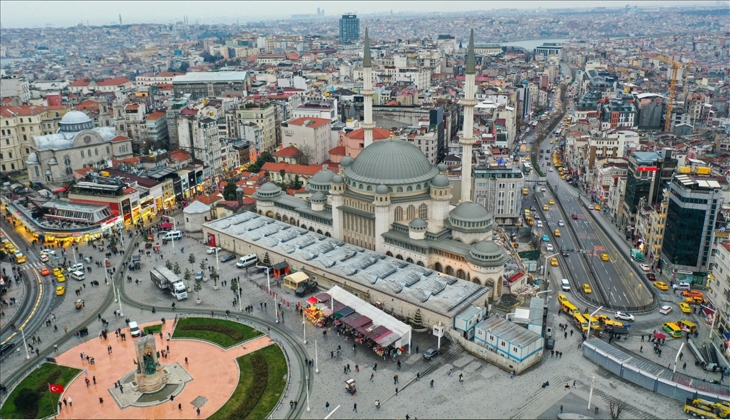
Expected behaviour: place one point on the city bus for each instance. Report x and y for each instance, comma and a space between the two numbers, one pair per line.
526, 168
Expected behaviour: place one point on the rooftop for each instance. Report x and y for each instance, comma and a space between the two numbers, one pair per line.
222, 76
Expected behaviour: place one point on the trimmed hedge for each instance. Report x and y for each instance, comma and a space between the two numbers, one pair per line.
31, 399
219, 331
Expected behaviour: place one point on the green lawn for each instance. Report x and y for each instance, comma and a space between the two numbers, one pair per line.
31, 398
260, 385
219, 331
153, 329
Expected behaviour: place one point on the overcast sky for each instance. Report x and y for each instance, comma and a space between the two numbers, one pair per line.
24, 14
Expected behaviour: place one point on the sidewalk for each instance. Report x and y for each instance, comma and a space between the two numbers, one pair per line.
15, 290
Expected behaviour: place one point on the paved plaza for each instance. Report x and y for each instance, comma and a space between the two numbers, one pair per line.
481, 395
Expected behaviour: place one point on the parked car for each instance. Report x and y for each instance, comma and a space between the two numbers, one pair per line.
664, 310
549, 247
549, 344
6, 348
199, 276
306, 288
651, 276
681, 286
661, 285
430, 353
624, 316
134, 329
212, 250
76, 267
228, 257
645, 267
684, 307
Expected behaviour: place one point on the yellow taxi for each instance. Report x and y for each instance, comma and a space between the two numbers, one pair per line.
60, 290
661, 285
45, 271
10, 248
597, 207
557, 233
551, 141
545, 207
684, 307
20, 257
551, 202
604, 257
60, 278
57, 272
587, 288
554, 262
562, 177
562, 298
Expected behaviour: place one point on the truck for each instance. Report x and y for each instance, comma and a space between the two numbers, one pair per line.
706, 409
637, 255
165, 279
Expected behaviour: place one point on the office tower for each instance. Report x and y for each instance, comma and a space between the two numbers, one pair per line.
349, 29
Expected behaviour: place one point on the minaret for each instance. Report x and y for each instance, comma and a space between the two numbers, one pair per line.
467, 138
367, 91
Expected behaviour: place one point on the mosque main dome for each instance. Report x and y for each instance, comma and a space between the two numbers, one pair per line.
391, 162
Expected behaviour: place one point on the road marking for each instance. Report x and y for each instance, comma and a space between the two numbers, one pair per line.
333, 412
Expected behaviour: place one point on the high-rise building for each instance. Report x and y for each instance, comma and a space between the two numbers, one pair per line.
695, 200
647, 174
349, 29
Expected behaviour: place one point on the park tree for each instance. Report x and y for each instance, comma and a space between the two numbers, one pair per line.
188, 275
191, 260
168, 264
229, 191
176, 269
214, 275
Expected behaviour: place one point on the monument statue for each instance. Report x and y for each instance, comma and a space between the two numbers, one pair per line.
150, 376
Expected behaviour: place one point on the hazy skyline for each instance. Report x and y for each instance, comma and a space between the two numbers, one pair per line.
29, 14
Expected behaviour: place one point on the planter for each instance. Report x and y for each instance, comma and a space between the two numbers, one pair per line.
197, 301
215, 287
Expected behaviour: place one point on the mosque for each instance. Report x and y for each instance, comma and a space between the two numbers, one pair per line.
392, 200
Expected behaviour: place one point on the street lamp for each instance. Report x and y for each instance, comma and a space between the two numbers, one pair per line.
316, 359
307, 392
545, 266
25, 343
590, 318
268, 285
590, 395
304, 328
106, 272
677, 357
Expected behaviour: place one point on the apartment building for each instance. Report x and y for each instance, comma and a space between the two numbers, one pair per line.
325, 108
263, 115
650, 226
157, 131
719, 295
312, 136
200, 85
15, 87
156, 79
498, 187
198, 135
646, 176
18, 125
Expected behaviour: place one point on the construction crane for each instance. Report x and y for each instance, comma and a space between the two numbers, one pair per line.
672, 87
627, 88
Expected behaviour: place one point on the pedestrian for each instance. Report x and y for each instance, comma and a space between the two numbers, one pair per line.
198, 410
416, 349
65, 403
186, 360
354, 408
372, 375
573, 383
357, 368
641, 349
565, 335
55, 348
348, 368
571, 333
431, 383
93, 378
60, 405
552, 353
327, 406
172, 398
561, 409
121, 388
684, 365
70, 402
396, 392
101, 400
642, 338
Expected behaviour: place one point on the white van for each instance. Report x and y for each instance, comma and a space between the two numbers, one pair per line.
78, 275
681, 286
247, 260
175, 234
565, 285
134, 329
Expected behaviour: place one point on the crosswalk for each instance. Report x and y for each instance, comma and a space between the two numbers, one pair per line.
37, 265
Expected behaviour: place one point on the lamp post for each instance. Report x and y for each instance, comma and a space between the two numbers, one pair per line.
174, 229
268, 285
25, 343
545, 266
307, 392
316, 359
304, 328
106, 272
590, 318
590, 395
677, 357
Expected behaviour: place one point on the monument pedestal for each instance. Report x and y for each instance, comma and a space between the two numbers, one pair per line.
151, 383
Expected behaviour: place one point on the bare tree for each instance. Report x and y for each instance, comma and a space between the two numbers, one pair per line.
616, 407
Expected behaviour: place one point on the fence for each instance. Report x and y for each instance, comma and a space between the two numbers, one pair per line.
650, 375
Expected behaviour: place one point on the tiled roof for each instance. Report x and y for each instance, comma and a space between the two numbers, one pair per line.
120, 138
80, 83
290, 151
338, 151
292, 169
313, 122
113, 82
378, 134
20, 111
180, 155
156, 115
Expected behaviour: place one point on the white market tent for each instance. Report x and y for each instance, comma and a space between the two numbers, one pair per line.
377, 316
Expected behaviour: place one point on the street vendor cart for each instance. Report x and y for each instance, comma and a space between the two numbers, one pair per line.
350, 386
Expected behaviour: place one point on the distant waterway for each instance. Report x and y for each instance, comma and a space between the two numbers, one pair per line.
530, 44
6, 61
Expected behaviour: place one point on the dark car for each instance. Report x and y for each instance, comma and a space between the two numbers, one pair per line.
430, 353
651, 276
6, 348
563, 253
306, 288
229, 257
549, 344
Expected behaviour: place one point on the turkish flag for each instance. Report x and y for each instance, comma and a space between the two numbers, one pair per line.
56, 389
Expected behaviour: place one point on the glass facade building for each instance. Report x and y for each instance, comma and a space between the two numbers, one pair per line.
349, 29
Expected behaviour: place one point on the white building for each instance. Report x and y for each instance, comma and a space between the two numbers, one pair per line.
325, 109
76, 145
16, 87
312, 136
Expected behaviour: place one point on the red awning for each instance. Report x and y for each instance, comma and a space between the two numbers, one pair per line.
312, 300
659, 336
516, 277
166, 226
61, 190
